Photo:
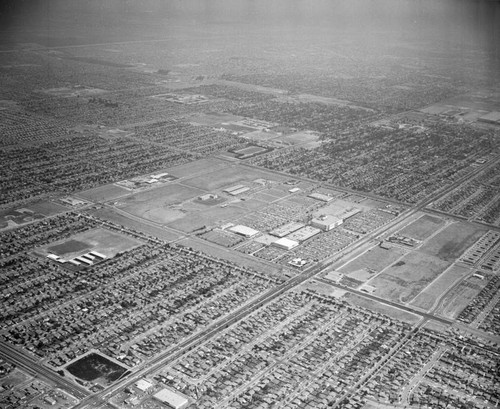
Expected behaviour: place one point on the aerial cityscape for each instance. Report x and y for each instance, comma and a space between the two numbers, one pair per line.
250, 204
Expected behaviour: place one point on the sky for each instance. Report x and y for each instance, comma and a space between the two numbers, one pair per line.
458, 24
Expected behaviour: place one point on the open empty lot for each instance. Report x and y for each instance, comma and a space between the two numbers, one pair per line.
211, 217
373, 261
104, 193
156, 204
200, 166
460, 296
451, 242
122, 220
428, 298
407, 277
423, 227
231, 174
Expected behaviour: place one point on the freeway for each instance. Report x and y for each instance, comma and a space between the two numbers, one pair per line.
18, 358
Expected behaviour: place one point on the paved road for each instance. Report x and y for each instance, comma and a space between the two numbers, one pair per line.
17, 357
173, 353
426, 315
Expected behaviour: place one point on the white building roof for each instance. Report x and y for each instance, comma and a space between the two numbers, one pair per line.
239, 191
244, 230
230, 189
321, 196
143, 385
171, 398
286, 243
97, 254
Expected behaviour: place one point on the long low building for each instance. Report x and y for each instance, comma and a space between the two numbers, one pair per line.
243, 230
304, 233
233, 188
171, 399
321, 197
285, 243
287, 229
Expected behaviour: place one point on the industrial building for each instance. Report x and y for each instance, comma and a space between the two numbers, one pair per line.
233, 188
286, 229
143, 385
321, 197
244, 231
326, 222
239, 191
285, 243
171, 399
304, 233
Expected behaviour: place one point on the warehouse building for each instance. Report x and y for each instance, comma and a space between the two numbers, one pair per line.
171, 399
233, 188
303, 234
285, 243
321, 197
244, 231
286, 229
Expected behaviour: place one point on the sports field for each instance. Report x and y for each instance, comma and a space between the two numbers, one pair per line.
402, 281
101, 240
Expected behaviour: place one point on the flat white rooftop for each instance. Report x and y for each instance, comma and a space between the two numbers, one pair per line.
244, 230
171, 398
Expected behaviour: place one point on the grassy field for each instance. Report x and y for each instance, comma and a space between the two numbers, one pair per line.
196, 167
451, 242
210, 217
231, 174
47, 208
154, 204
375, 259
422, 228
445, 281
402, 281
103, 241
120, 220
104, 193
264, 197
251, 204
